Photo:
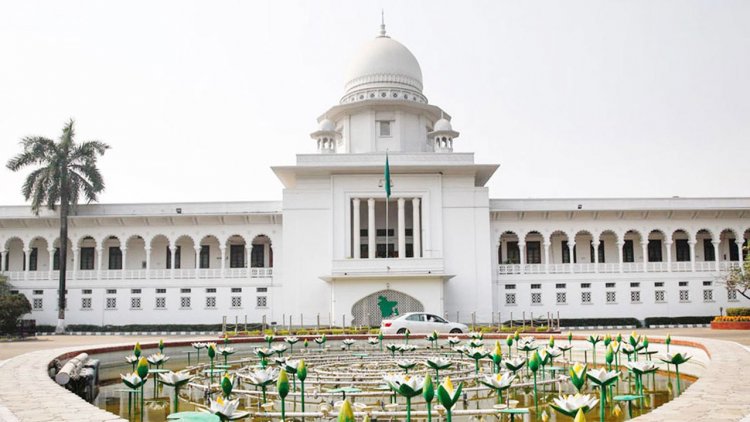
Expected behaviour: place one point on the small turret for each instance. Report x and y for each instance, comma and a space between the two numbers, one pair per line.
442, 136
326, 137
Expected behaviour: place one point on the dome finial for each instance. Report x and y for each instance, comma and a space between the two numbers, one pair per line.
382, 23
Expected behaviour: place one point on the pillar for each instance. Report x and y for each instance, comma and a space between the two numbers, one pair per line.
223, 252
668, 244
52, 261
173, 251
355, 229
522, 256
197, 250
595, 244
620, 247
692, 254
716, 254
416, 228
27, 253
76, 257
571, 254
4, 253
401, 229
371, 231
546, 256
249, 252
124, 260
99, 260
148, 263
644, 249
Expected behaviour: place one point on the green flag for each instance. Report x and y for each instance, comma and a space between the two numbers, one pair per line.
387, 177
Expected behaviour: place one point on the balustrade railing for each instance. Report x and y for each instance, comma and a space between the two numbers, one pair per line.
614, 267
142, 274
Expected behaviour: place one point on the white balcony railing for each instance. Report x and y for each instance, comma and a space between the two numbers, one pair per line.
155, 274
614, 267
387, 266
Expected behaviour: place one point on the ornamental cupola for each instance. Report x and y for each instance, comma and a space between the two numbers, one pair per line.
326, 137
442, 136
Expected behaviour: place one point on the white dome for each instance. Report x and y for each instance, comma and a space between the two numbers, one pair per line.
327, 126
384, 63
443, 125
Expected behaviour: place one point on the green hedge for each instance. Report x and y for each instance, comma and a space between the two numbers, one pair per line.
678, 320
738, 311
599, 322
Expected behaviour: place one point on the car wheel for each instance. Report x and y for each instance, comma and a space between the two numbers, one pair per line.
401, 331
456, 331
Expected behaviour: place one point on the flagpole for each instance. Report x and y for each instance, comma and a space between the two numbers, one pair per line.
387, 203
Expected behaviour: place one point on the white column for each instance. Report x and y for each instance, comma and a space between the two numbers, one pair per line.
668, 244
99, 260
173, 251
148, 263
692, 254
371, 231
355, 229
644, 248
249, 252
124, 260
571, 255
620, 246
197, 250
52, 261
27, 254
716, 254
401, 229
416, 228
522, 256
595, 244
546, 256
76, 257
4, 253
223, 251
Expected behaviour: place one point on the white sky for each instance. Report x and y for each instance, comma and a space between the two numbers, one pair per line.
573, 99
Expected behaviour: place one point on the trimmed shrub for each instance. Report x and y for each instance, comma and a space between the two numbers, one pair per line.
738, 311
599, 322
678, 320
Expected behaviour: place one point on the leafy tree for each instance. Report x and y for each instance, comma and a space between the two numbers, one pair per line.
12, 307
738, 279
64, 170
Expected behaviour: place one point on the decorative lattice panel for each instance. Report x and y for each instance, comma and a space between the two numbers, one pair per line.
385, 304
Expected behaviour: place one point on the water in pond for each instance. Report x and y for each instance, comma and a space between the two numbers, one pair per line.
363, 369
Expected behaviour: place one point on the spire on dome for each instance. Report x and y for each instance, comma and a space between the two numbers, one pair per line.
382, 24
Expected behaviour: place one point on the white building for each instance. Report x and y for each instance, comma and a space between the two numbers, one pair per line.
321, 252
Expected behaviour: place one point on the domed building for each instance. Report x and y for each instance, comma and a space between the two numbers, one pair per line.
350, 235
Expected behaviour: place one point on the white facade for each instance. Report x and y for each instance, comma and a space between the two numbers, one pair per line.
327, 252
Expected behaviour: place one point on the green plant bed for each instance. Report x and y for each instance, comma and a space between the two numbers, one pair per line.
738, 311
599, 322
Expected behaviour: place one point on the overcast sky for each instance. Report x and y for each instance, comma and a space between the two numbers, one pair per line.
572, 99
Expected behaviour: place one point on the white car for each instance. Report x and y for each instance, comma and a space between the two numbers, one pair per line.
421, 323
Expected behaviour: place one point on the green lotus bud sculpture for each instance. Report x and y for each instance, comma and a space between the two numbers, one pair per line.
509, 343
269, 339
161, 346
346, 414
142, 370
282, 387
301, 375
137, 350
448, 396
497, 357
227, 383
428, 394
534, 364
578, 376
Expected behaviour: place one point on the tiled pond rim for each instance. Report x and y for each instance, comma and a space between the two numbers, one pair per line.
722, 393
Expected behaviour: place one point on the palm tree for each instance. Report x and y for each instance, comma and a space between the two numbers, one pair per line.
64, 170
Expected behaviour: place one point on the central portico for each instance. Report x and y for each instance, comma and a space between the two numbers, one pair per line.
357, 240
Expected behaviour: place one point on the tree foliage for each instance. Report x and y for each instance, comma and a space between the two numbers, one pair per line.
12, 307
738, 279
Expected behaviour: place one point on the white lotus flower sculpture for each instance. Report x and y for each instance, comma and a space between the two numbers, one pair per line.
262, 378
603, 379
226, 410
176, 380
157, 359
570, 405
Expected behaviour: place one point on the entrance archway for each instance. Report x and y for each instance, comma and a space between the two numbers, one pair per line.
376, 307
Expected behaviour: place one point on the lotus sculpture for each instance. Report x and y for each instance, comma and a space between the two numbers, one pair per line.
406, 386
499, 383
448, 396
571, 405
